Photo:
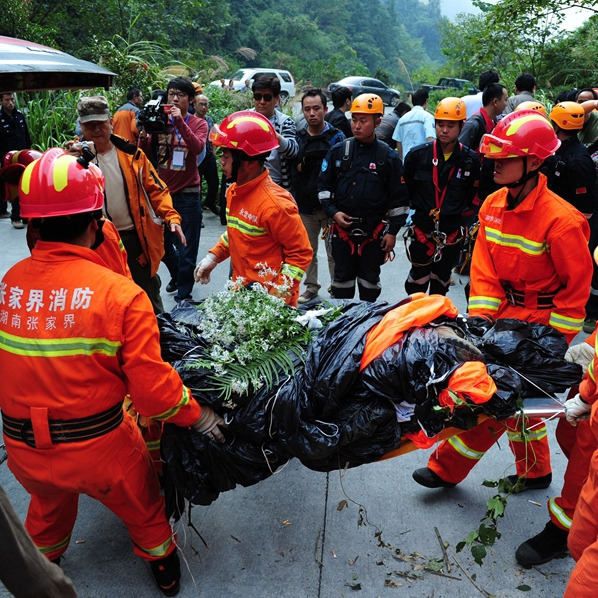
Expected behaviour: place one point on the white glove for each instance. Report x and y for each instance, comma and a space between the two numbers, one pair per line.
582, 353
208, 423
575, 409
202, 272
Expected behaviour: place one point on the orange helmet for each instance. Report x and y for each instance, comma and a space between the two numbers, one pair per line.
367, 103
568, 116
532, 105
197, 87
13, 166
519, 134
451, 109
57, 185
247, 131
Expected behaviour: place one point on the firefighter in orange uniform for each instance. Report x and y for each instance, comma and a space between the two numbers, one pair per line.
531, 262
263, 222
77, 338
583, 536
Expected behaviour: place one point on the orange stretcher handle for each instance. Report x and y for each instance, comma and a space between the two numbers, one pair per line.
407, 446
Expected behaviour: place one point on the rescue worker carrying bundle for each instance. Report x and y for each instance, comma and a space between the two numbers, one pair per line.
361, 187
443, 178
78, 337
531, 262
263, 222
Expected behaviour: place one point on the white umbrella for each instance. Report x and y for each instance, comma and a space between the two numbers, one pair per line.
25, 66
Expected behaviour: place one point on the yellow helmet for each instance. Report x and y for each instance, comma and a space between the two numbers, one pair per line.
367, 103
451, 109
532, 105
568, 115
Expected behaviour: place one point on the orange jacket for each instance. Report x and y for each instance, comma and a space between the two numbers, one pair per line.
264, 227
124, 122
541, 246
77, 338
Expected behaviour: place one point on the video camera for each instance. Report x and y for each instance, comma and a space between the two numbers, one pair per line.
153, 116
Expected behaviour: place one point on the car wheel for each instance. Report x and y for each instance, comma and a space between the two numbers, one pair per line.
394, 101
284, 98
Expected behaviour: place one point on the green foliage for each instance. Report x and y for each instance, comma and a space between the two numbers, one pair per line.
224, 102
51, 117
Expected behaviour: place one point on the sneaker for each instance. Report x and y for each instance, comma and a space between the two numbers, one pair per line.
307, 297
167, 573
172, 286
526, 484
426, 477
19, 224
549, 544
589, 325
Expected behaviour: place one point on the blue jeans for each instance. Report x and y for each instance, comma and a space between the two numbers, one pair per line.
181, 260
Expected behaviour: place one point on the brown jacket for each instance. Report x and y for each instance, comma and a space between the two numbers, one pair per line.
150, 203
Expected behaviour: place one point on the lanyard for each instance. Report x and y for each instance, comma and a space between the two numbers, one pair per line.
176, 131
439, 200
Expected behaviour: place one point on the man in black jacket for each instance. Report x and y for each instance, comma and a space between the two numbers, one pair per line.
14, 135
361, 188
442, 177
341, 100
315, 140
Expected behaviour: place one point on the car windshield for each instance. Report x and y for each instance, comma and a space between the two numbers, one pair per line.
239, 76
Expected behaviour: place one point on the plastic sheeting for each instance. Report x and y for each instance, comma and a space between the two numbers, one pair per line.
331, 415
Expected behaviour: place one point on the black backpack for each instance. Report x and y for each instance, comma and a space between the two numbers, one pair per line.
313, 151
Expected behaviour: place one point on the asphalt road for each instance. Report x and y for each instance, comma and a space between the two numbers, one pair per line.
289, 537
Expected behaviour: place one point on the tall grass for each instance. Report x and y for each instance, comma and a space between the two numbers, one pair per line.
51, 117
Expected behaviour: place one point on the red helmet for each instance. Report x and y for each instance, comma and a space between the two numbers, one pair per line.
57, 185
519, 134
247, 131
13, 166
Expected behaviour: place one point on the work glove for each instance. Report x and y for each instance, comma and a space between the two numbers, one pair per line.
575, 409
582, 354
204, 268
208, 423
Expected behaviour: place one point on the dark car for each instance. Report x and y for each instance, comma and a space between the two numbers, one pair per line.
359, 85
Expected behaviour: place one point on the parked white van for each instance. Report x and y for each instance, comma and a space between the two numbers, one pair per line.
287, 83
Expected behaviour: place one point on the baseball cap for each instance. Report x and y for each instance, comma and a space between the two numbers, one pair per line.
93, 108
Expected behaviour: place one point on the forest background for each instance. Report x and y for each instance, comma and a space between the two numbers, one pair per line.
402, 42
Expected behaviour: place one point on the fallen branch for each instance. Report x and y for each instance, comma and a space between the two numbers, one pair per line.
475, 585
443, 575
443, 548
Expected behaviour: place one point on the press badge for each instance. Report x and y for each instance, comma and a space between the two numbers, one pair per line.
178, 159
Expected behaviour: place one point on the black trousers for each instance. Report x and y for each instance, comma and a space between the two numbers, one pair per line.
437, 275
208, 170
351, 267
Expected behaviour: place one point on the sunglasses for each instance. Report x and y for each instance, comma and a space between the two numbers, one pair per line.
267, 97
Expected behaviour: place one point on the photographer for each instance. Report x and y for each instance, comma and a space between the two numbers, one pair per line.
137, 201
176, 151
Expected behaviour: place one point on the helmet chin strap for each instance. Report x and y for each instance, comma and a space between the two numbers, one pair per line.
513, 201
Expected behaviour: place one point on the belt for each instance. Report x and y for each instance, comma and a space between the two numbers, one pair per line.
190, 190
518, 298
65, 430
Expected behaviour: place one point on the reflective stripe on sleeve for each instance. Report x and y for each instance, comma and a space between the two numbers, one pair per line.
591, 371
185, 398
481, 302
292, 272
224, 238
558, 321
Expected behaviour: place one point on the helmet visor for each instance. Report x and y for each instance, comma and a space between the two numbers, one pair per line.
495, 147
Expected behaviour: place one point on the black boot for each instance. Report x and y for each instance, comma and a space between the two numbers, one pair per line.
167, 573
547, 545
526, 484
426, 477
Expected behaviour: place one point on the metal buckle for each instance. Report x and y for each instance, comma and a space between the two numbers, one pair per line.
357, 232
26, 427
510, 296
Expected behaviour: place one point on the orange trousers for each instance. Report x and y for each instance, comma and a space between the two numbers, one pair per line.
457, 456
583, 539
578, 444
115, 469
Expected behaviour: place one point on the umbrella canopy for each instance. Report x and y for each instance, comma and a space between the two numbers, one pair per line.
25, 66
